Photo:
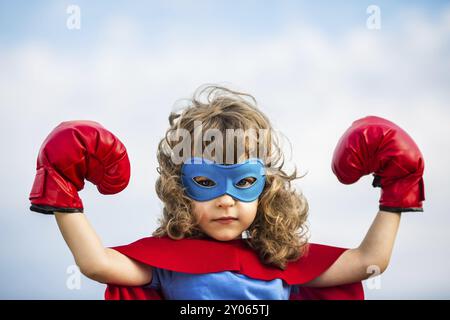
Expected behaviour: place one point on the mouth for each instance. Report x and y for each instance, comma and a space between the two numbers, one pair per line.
225, 220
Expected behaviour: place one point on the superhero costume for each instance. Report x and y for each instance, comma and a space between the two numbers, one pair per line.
206, 256
201, 256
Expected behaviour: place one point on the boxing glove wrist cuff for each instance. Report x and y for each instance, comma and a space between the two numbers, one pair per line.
52, 210
398, 210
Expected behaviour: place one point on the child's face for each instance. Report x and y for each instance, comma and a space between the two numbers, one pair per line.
210, 216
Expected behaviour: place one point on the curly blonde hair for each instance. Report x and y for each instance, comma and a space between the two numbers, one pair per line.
279, 232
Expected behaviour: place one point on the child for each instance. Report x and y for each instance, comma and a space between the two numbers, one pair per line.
232, 227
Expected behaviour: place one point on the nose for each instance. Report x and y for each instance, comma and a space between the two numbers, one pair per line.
225, 201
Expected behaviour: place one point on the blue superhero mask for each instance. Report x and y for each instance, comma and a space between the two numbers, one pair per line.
223, 179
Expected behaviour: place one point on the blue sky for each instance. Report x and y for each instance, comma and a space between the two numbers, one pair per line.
313, 67
45, 20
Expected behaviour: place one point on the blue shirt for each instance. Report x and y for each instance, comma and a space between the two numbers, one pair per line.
224, 285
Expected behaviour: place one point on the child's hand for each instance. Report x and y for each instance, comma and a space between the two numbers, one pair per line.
74, 151
375, 145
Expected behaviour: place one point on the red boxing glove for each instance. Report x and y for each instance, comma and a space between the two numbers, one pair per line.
376, 145
72, 152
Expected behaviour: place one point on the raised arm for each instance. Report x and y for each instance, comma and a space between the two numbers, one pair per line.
376, 145
372, 255
72, 152
94, 260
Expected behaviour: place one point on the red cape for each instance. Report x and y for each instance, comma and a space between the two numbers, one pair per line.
207, 256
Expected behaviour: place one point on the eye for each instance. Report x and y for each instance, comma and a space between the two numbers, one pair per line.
204, 182
246, 182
